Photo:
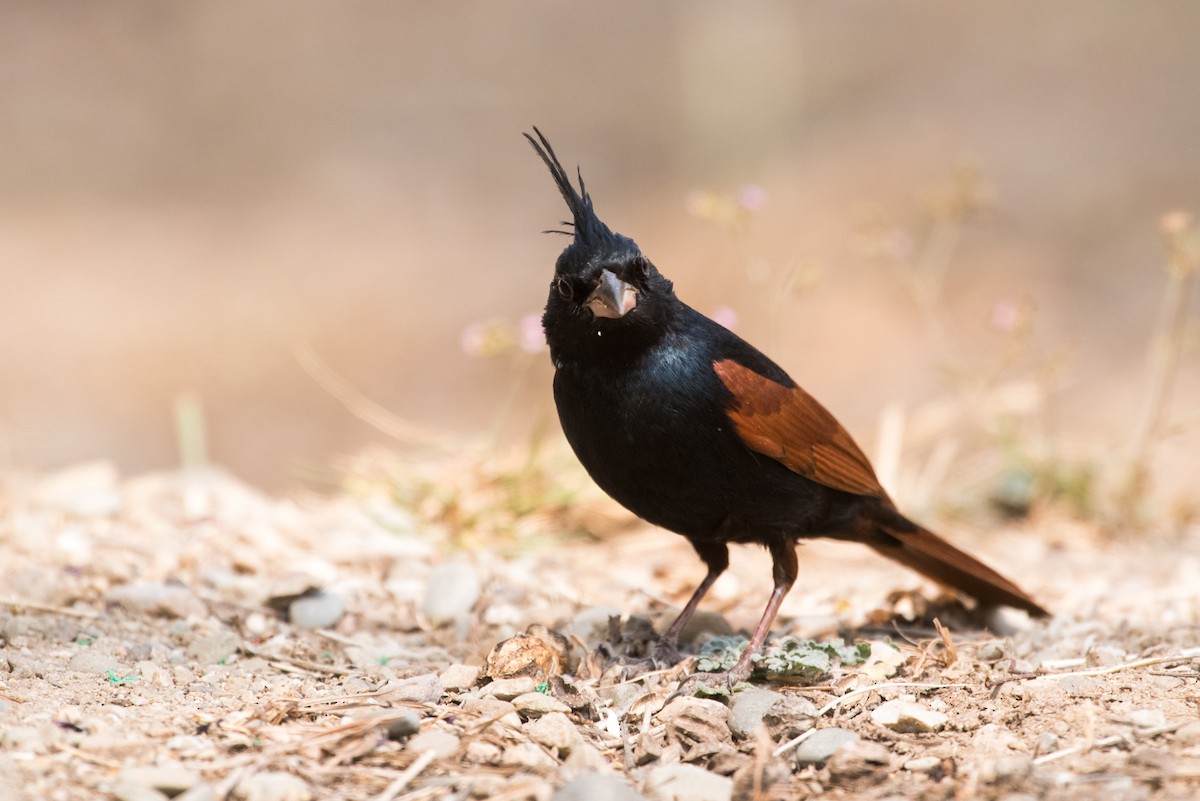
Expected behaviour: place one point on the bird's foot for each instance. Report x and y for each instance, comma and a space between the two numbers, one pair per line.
722, 683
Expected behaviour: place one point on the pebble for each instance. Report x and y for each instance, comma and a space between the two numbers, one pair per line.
88, 489
1007, 769
749, 707
451, 593
527, 755
492, 709
405, 726
857, 759
481, 752
170, 600
1078, 685
273, 786
922, 764
596, 787
508, 689
554, 730
199, 792
124, 791
459, 677
1148, 718
789, 717
1189, 735
991, 651
1047, 742
622, 696
535, 705
442, 743
215, 649
591, 623
687, 783
821, 746
317, 610
92, 661
907, 717
698, 720
423, 689
170, 781
705, 622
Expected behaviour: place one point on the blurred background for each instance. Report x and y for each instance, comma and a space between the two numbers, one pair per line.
263, 206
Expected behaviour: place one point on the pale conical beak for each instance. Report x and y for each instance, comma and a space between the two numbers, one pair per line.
612, 297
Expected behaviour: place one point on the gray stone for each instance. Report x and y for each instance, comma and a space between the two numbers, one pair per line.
823, 744
749, 707
442, 743
460, 677
554, 730
451, 593
596, 787
318, 610
405, 726
215, 649
273, 786
907, 717
687, 783
508, 689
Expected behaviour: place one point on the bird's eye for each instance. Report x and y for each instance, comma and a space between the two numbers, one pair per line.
564, 288
643, 268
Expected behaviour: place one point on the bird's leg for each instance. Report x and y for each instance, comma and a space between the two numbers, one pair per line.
783, 554
716, 557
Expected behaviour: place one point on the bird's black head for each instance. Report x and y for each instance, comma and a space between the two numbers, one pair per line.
607, 300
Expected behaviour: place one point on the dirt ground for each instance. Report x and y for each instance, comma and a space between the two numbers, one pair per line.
140, 657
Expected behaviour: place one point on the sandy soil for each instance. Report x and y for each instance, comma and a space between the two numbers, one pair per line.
139, 657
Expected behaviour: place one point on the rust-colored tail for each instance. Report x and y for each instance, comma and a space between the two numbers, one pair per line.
930, 555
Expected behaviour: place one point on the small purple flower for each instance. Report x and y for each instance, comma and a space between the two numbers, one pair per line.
726, 316
752, 197
530, 334
473, 338
1006, 316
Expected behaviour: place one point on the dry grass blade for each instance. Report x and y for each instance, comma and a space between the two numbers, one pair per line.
951, 653
17, 605
404, 779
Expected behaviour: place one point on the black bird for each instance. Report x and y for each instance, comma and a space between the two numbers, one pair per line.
691, 428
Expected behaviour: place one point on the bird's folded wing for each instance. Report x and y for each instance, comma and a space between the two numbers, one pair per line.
790, 426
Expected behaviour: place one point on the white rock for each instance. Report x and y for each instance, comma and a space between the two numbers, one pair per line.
318, 610
535, 704
554, 730
273, 786
687, 783
452, 591
442, 743
460, 677
903, 716
596, 787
